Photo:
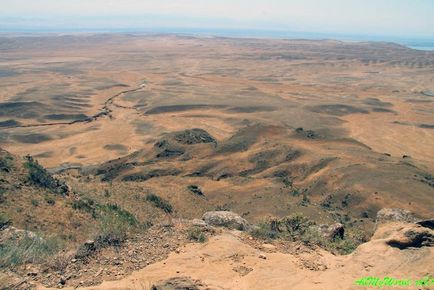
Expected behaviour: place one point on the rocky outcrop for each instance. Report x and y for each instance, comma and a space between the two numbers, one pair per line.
395, 215
404, 235
428, 223
334, 231
12, 233
226, 219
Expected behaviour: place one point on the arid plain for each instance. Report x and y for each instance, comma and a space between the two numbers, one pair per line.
335, 130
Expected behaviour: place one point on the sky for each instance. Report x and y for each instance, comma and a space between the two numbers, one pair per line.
411, 18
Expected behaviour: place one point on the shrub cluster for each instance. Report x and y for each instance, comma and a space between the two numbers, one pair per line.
196, 234
299, 228
39, 176
159, 202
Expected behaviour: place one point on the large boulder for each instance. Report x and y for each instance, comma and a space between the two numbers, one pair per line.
226, 219
334, 231
386, 215
405, 235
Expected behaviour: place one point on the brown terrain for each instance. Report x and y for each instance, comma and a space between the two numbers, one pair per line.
143, 134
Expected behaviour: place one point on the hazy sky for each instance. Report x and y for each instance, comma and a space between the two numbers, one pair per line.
386, 17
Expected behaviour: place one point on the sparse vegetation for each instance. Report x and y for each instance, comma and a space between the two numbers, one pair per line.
39, 176
124, 215
195, 189
28, 249
305, 201
299, 228
346, 200
50, 200
85, 204
327, 202
6, 163
159, 202
4, 221
196, 234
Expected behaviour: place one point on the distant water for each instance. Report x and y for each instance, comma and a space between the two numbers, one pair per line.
428, 48
426, 43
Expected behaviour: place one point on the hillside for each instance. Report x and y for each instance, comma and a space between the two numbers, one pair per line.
157, 159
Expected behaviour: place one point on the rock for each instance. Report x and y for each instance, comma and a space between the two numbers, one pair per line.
262, 256
12, 233
428, 223
395, 215
408, 236
329, 232
226, 219
198, 222
268, 246
62, 280
85, 250
334, 231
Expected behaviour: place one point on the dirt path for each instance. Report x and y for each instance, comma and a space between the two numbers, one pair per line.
104, 111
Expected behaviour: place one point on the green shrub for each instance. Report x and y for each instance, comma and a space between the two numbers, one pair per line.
113, 230
299, 228
28, 250
195, 189
115, 223
159, 202
5, 221
2, 195
34, 202
295, 225
264, 231
295, 192
50, 200
85, 204
122, 214
305, 200
196, 234
6, 163
39, 176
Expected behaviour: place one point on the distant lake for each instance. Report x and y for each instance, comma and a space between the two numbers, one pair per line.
419, 43
428, 48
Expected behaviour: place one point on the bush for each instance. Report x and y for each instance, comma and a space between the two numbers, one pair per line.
34, 202
112, 231
196, 234
41, 177
6, 163
296, 225
264, 231
122, 214
5, 221
299, 228
50, 200
195, 189
28, 250
305, 200
159, 202
85, 204
115, 223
